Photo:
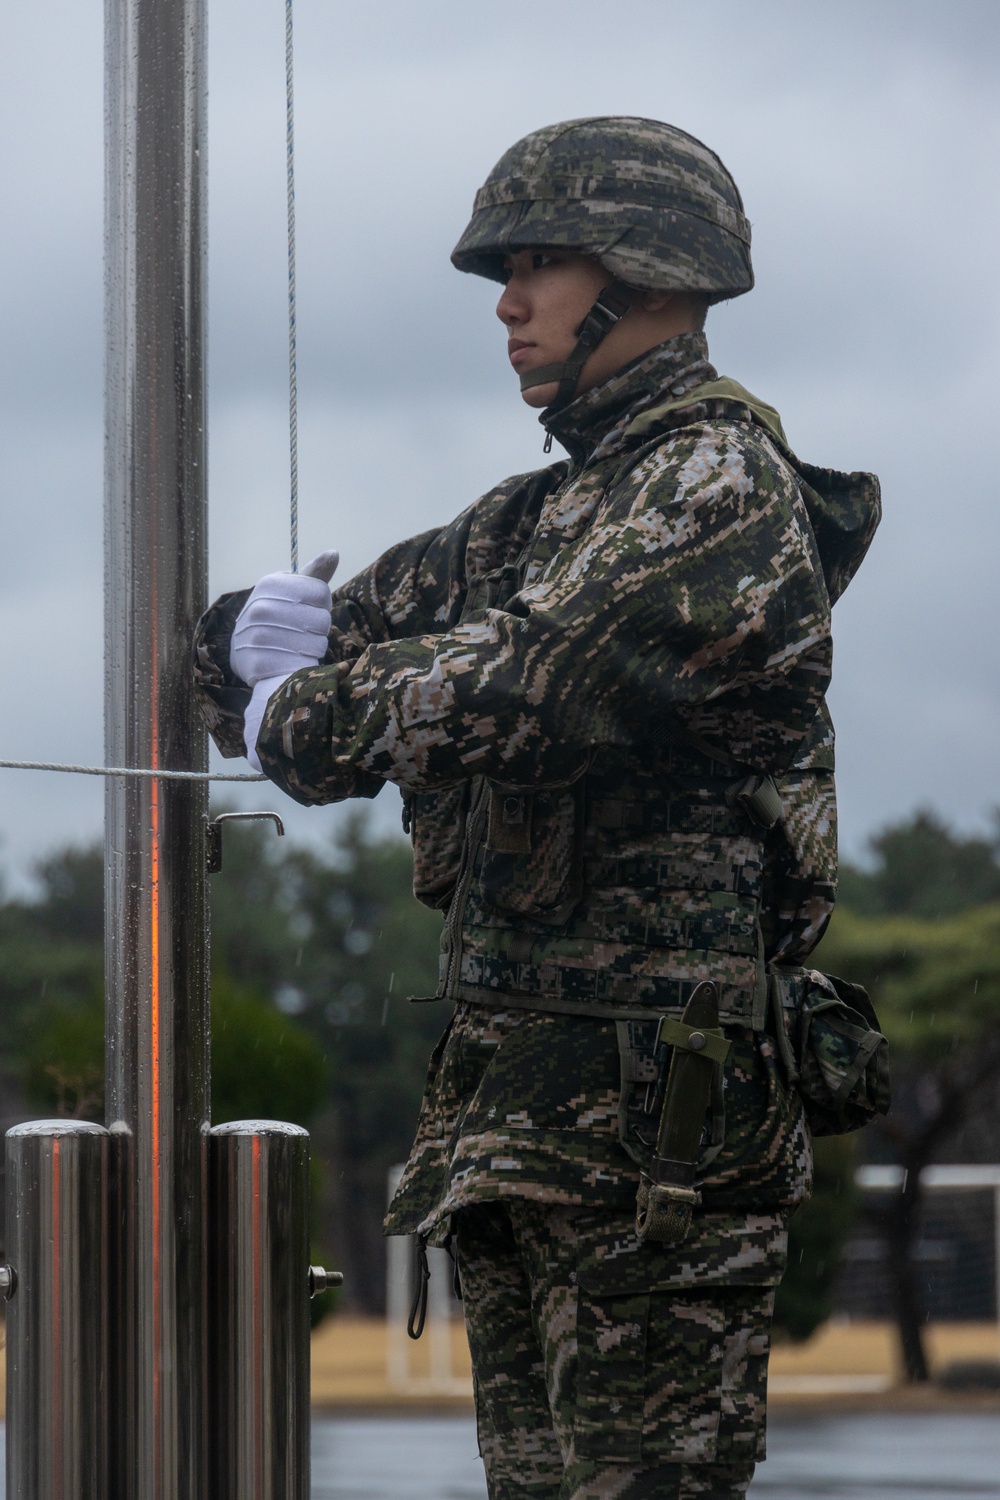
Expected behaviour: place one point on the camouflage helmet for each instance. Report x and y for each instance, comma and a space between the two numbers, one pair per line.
652, 204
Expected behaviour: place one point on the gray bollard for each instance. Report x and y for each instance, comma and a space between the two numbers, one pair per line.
259, 1360
56, 1284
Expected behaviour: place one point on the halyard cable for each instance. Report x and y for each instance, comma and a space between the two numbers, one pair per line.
51, 765
293, 392
293, 453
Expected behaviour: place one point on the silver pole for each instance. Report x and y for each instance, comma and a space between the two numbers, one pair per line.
260, 1321
156, 931
57, 1310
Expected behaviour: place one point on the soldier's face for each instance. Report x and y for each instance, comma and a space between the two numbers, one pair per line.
547, 296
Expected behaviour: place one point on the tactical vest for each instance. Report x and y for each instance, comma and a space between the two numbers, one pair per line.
616, 895
613, 897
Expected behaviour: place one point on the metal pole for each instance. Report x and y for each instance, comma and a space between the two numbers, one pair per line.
156, 932
260, 1319
56, 1190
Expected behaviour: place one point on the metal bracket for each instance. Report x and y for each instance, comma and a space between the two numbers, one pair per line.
213, 842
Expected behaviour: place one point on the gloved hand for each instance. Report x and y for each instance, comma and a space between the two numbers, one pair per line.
283, 627
254, 716
285, 624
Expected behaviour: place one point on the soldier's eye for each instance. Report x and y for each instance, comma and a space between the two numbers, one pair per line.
542, 258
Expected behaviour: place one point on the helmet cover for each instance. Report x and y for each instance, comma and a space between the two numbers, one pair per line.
651, 203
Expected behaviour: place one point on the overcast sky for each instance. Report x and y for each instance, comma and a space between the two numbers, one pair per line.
865, 140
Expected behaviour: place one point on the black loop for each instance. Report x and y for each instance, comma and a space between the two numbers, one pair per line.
418, 1312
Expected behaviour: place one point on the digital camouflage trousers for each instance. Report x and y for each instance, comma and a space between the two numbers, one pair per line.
595, 1387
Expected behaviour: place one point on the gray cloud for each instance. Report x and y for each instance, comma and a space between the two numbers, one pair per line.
866, 142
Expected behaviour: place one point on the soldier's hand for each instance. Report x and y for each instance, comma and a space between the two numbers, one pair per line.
285, 624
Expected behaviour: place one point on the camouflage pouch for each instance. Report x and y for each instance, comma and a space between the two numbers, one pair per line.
533, 860
436, 823
829, 1039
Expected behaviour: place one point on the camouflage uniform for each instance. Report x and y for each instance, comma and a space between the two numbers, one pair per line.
545, 679
563, 1344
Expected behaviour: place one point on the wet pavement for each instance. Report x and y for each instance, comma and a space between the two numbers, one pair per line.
886, 1456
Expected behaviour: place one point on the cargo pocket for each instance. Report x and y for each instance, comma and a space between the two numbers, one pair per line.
765, 1164
437, 821
533, 860
671, 1375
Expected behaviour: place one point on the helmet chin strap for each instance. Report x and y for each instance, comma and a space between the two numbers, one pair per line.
609, 308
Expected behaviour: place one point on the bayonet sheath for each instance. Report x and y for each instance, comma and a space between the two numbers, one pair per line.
666, 1195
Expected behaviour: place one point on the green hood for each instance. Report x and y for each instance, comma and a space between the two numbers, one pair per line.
844, 509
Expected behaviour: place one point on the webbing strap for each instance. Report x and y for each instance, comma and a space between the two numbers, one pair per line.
597, 1011
704, 1042
610, 306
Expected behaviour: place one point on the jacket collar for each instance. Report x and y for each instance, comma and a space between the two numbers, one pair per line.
595, 424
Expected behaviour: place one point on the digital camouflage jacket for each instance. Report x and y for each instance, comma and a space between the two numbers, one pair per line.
546, 680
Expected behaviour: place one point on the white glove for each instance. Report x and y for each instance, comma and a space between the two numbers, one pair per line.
254, 716
283, 627
285, 624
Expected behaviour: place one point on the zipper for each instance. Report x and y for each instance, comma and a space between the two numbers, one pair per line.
456, 911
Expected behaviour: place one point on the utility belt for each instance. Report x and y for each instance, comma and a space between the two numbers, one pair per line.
623, 998
673, 1064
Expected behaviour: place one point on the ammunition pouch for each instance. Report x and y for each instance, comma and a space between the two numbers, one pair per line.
833, 1051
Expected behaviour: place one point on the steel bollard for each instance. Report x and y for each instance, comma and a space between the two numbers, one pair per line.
56, 1285
259, 1359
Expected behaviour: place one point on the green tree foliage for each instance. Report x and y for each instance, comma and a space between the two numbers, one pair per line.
51, 1000
64, 1061
888, 934
936, 987
816, 1237
314, 957
921, 869
264, 1065
51, 949
346, 946
51, 989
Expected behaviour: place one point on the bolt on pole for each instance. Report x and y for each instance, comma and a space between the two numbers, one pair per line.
155, 582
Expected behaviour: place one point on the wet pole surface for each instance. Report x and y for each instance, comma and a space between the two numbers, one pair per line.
56, 1187
155, 576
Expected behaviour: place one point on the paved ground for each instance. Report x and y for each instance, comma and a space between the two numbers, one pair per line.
881, 1456
888, 1456
885, 1456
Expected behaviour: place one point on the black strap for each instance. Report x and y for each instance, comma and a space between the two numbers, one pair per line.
418, 1312
609, 308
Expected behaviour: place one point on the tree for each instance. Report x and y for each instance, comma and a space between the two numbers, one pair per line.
922, 869
339, 941
313, 960
817, 1234
936, 987
368, 948
264, 1065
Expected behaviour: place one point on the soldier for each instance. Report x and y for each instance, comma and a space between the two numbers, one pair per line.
601, 692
